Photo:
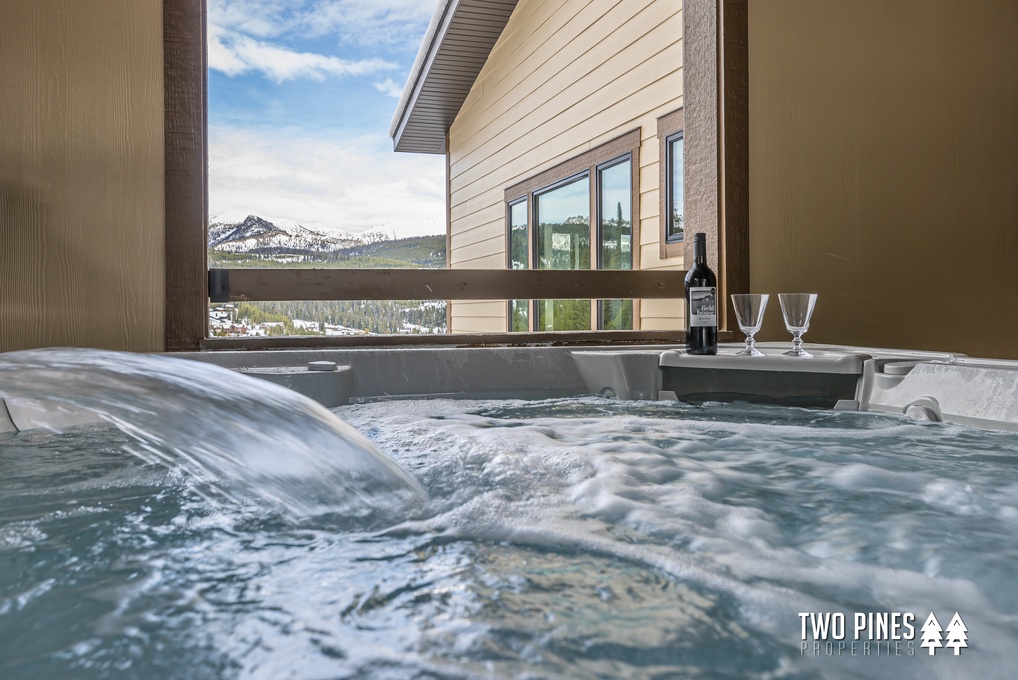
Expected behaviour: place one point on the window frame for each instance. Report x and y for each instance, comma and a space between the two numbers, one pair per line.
625, 147
535, 217
634, 200
669, 127
585, 174
670, 228
715, 70
525, 201
597, 253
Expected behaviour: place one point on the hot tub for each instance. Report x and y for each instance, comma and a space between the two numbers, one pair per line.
561, 535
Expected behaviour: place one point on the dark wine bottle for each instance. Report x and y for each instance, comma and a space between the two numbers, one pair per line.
701, 302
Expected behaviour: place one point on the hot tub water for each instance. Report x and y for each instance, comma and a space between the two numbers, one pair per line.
564, 538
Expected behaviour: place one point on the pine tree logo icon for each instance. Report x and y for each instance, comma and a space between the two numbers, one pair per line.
932, 634
957, 634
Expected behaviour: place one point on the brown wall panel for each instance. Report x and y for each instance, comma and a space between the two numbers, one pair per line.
884, 169
81, 174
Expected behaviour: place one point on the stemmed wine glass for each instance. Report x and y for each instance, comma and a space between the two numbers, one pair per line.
797, 308
749, 311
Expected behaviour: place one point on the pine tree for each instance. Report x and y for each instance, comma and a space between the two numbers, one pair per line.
957, 634
932, 634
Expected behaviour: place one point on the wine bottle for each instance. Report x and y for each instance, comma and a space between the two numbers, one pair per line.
701, 302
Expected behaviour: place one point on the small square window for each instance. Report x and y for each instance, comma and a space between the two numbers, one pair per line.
671, 188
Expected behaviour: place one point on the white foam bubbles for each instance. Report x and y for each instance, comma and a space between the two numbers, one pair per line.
789, 509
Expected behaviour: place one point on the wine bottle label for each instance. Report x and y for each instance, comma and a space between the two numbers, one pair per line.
703, 307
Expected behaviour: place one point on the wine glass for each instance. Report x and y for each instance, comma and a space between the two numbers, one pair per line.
749, 311
797, 308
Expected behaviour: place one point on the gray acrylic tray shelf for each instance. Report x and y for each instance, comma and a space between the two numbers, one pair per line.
823, 361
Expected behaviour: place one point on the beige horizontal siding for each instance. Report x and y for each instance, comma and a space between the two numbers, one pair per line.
561, 60
512, 62
635, 84
476, 208
653, 323
482, 308
566, 76
572, 136
479, 233
486, 248
662, 315
493, 261
479, 316
662, 308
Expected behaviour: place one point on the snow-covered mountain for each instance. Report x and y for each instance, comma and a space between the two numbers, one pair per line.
375, 235
255, 234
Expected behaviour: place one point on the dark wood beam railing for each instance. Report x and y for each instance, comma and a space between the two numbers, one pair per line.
546, 338
228, 285
236, 285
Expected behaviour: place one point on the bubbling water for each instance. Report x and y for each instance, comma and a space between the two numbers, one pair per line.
564, 538
246, 439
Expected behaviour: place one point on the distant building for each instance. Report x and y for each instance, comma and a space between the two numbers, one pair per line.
302, 325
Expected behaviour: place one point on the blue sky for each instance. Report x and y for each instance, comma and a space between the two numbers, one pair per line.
301, 94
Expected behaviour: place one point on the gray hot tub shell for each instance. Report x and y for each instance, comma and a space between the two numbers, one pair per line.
936, 386
928, 385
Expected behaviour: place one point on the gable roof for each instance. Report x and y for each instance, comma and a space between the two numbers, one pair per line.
455, 47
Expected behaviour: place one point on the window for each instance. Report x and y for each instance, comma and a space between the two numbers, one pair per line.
577, 215
615, 241
673, 188
519, 310
672, 205
721, 147
562, 216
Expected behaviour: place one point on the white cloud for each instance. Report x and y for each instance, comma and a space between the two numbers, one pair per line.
372, 22
259, 18
350, 184
389, 87
233, 54
358, 22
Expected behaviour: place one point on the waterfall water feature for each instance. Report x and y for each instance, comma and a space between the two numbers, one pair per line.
240, 437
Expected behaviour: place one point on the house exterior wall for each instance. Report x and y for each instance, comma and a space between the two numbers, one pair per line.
81, 174
565, 76
884, 169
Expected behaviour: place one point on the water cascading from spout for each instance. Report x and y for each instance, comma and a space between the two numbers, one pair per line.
248, 439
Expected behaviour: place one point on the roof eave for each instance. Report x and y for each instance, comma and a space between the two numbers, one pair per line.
428, 105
